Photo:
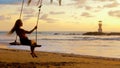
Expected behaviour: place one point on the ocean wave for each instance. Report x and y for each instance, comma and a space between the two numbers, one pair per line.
82, 38
99, 38
62, 39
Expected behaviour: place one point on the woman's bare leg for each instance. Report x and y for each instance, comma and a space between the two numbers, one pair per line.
33, 48
32, 51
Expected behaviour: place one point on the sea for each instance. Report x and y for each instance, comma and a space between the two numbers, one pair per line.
70, 42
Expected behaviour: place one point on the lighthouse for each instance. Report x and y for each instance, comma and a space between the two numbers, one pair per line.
100, 27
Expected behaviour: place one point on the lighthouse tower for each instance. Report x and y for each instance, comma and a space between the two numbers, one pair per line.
100, 27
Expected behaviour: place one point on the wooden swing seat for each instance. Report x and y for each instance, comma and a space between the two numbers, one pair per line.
17, 43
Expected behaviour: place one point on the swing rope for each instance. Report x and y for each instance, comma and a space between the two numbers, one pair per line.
38, 18
21, 9
20, 17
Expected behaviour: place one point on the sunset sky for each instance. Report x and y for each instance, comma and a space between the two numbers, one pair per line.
72, 15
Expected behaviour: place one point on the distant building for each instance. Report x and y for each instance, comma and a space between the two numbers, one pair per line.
100, 27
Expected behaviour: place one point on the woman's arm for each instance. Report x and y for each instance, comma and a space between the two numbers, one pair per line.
31, 30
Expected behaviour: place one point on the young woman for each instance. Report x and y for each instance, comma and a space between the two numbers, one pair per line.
22, 35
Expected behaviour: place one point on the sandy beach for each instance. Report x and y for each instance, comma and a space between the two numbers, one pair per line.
12, 58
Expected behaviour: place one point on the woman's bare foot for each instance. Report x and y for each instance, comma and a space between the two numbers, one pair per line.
33, 55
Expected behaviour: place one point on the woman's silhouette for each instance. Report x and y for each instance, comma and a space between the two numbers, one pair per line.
22, 35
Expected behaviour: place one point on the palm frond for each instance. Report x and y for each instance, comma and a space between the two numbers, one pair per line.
29, 1
51, 1
60, 2
38, 2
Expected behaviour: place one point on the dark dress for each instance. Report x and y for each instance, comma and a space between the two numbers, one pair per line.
23, 38
25, 41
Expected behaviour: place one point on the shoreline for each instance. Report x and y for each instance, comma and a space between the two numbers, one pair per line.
14, 58
66, 54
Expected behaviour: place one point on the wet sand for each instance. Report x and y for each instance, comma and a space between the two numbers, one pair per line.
12, 58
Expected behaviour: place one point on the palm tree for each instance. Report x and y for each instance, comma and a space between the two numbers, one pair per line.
59, 1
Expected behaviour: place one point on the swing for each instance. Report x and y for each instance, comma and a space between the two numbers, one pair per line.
17, 43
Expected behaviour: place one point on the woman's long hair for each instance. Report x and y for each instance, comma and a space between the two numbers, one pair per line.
16, 26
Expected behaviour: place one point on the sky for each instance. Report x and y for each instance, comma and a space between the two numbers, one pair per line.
72, 15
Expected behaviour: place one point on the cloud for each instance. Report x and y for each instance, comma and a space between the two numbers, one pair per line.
114, 4
26, 17
86, 14
80, 3
115, 13
75, 17
108, 3
55, 13
47, 19
104, 0
28, 11
96, 3
88, 7
3, 17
